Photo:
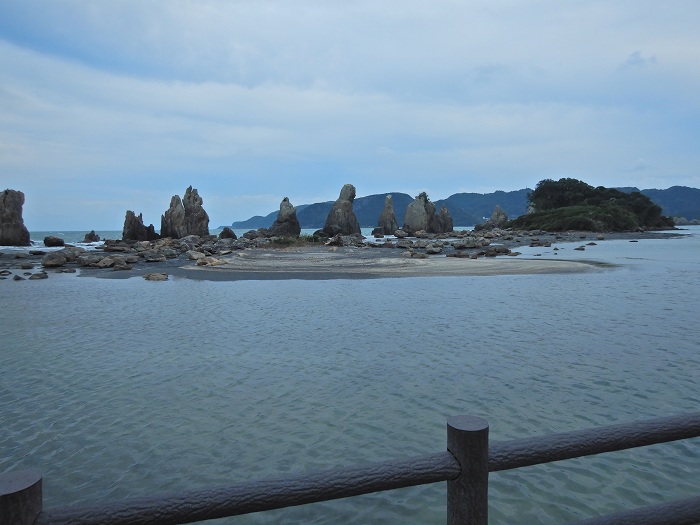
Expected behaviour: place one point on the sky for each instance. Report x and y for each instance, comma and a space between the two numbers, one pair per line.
119, 105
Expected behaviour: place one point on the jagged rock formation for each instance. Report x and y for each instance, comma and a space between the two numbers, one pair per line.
342, 219
498, 219
91, 237
13, 232
387, 220
442, 222
286, 224
172, 223
134, 229
420, 216
196, 219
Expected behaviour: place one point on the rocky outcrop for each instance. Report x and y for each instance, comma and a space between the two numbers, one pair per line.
420, 217
418, 214
134, 229
498, 219
91, 237
286, 224
442, 222
172, 222
13, 232
387, 219
341, 219
196, 219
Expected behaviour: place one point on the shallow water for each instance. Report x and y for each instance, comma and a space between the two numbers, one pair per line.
117, 388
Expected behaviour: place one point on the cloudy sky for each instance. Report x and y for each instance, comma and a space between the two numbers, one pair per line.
120, 104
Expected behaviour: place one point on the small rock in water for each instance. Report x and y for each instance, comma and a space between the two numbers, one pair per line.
156, 276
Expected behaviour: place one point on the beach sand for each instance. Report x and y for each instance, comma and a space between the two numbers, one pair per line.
359, 263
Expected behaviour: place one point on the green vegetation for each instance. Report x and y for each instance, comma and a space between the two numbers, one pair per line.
570, 204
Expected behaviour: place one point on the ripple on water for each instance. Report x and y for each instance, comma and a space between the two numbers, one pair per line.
116, 387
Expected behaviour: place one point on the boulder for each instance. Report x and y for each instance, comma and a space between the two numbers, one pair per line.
227, 233
53, 242
13, 232
196, 219
91, 237
387, 219
134, 229
172, 222
341, 219
53, 260
286, 224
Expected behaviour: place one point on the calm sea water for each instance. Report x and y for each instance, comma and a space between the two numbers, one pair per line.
119, 388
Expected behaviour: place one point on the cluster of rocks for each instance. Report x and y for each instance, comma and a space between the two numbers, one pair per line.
184, 217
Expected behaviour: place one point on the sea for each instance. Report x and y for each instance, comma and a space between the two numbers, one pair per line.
121, 388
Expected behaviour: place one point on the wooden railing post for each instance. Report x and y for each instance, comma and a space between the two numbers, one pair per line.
20, 497
467, 495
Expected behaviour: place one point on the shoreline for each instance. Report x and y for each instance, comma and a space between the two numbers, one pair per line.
324, 262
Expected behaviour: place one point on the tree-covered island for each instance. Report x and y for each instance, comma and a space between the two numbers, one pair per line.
570, 204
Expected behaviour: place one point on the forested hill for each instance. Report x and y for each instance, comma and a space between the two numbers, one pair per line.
676, 201
469, 208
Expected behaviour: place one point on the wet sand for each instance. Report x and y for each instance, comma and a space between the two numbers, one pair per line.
358, 263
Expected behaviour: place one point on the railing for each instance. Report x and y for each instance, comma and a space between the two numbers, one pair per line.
465, 466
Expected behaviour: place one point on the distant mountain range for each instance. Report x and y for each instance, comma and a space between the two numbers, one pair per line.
468, 209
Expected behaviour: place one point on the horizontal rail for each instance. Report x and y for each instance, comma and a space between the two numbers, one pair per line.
507, 455
679, 512
256, 496
244, 498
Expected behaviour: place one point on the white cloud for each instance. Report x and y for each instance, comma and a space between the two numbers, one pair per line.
253, 101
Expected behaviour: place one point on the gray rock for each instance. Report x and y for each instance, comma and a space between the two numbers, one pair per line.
172, 222
89, 260
227, 233
152, 256
106, 262
91, 237
38, 275
194, 255
418, 214
53, 260
13, 232
71, 253
53, 242
341, 219
442, 222
196, 219
286, 224
498, 219
156, 276
387, 219
134, 229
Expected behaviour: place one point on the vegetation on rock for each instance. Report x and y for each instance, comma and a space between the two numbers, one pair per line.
570, 204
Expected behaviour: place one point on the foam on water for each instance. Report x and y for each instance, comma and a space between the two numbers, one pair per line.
117, 388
